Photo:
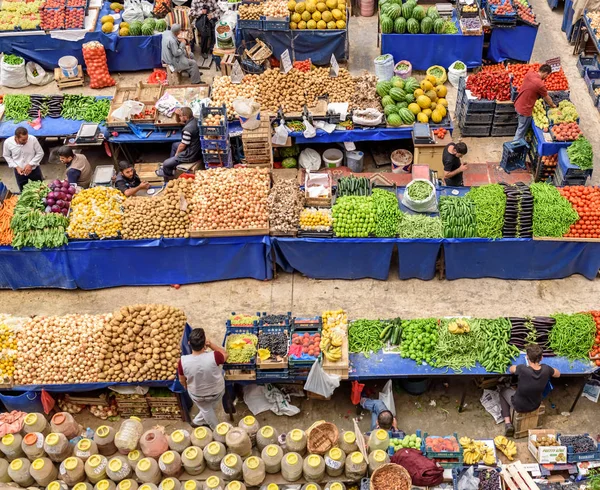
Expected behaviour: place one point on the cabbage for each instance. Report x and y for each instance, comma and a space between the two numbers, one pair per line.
289, 163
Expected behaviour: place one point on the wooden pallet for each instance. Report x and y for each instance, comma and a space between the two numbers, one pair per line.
341, 367
259, 52
63, 81
515, 477
147, 172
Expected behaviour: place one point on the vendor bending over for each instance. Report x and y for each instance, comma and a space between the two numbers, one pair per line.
127, 180
381, 417
79, 170
530, 387
185, 151
175, 54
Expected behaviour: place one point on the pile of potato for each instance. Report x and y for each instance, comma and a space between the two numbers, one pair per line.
250, 11
142, 342
96, 211
285, 204
165, 215
230, 199
225, 92
60, 349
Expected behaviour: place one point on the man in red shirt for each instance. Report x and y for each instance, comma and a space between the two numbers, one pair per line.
531, 90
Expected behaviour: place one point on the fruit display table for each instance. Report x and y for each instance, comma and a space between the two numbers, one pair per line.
545, 148
514, 43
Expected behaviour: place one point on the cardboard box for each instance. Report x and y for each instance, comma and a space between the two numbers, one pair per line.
546, 454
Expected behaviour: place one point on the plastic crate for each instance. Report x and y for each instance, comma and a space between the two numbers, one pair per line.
239, 330
250, 24
475, 130
214, 160
468, 106
307, 324
222, 143
558, 96
560, 179
275, 24
302, 363
365, 484
505, 119
505, 107
220, 130
586, 62
459, 471
573, 457
443, 454
272, 374
274, 365
514, 155
286, 323
233, 313
503, 130
568, 169
476, 118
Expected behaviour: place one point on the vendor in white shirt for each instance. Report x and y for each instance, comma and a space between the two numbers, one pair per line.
24, 153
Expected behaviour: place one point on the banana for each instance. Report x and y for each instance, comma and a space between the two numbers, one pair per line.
465, 442
508, 447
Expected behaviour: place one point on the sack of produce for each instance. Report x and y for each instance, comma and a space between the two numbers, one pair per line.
13, 72
367, 117
456, 71
310, 160
249, 112
384, 67
403, 69
439, 72
36, 75
94, 56
420, 196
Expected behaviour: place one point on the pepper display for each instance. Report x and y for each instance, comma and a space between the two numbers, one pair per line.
16, 107
419, 338
459, 351
419, 190
553, 215
85, 108
458, 217
490, 205
387, 213
497, 354
364, 336
573, 335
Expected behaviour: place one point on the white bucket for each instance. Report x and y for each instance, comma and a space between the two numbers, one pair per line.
354, 161
333, 157
68, 66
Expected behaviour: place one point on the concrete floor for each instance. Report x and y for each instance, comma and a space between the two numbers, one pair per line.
207, 305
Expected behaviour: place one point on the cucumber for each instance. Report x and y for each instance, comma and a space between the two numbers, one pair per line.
385, 333
396, 335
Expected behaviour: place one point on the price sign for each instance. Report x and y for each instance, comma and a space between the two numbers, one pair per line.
236, 73
286, 62
554, 64
335, 68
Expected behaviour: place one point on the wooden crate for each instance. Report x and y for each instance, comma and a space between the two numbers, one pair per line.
111, 122
258, 150
63, 81
314, 396
341, 367
148, 93
515, 477
123, 93
523, 422
147, 172
184, 94
227, 64
239, 375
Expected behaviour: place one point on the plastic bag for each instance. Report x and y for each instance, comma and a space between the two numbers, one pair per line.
147, 9
249, 112
47, 402
320, 382
356, 392
367, 117
13, 76
387, 397
36, 75
490, 399
384, 67
468, 480
127, 109
97, 66
310, 159
280, 135
133, 11
428, 205
309, 131
454, 74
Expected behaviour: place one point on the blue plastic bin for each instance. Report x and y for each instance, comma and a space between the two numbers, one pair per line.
30, 401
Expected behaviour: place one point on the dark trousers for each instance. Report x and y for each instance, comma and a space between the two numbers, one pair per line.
170, 163
506, 395
205, 44
35, 175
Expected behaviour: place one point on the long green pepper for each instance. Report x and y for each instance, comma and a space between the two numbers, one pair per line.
553, 214
573, 335
497, 354
387, 213
420, 226
364, 336
490, 204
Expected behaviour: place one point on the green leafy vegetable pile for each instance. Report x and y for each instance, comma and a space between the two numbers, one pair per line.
581, 153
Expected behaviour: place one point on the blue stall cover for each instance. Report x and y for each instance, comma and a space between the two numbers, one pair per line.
33, 268
547, 148
424, 50
417, 258
520, 258
511, 43
568, 19
392, 365
340, 258
122, 52
316, 45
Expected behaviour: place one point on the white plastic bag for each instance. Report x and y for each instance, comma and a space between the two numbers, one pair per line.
387, 397
133, 11
384, 67
490, 399
147, 9
310, 160
280, 135
320, 382
249, 112
36, 75
13, 76
468, 480
428, 205
455, 75
309, 131
367, 117
129, 108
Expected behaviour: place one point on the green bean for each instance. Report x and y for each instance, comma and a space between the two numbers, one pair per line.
573, 335
419, 190
490, 204
419, 226
363, 336
553, 214
387, 213
458, 351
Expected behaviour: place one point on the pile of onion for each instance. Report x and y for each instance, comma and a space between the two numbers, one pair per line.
59, 198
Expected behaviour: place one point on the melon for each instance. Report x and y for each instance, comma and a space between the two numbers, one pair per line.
412, 26
407, 10
432, 95
426, 25
321, 7
414, 108
438, 26
433, 13
400, 25
150, 22
340, 24
321, 24
135, 28
411, 84
386, 100
161, 25
291, 5
383, 88
436, 116
311, 7
418, 13
107, 27
422, 118
293, 25
397, 82
397, 94
311, 24
426, 85
394, 120
301, 25
300, 7
423, 101
441, 91
407, 116
316, 16
123, 31
409, 98
331, 25
296, 17
390, 109
107, 18
327, 17
394, 11
401, 105
443, 101
147, 30
306, 16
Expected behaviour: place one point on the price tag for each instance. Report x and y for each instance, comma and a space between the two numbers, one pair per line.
554, 64
236, 73
335, 68
286, 62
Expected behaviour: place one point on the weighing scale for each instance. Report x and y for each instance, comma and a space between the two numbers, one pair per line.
422, 134
103, 175
88, 133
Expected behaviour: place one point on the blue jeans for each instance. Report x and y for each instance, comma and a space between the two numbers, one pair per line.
524, 123
375, 407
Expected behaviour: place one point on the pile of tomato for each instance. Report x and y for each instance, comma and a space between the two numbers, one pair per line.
566, 131
75, 18
554, 82
496, 67
586, 201
490, 84
440, 133
304, 66
595, 352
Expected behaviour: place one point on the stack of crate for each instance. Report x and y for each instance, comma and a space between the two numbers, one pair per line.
214, 139
164, 404
474, 116
129, 405
505, 119
258, 151
568, 174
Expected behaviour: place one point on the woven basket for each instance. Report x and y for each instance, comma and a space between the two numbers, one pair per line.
400, 476
321, 438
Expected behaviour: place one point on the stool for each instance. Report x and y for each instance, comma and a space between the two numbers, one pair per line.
187, 168
173, 76
524, 421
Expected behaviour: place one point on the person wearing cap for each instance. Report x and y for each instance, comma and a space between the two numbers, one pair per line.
174, 53
128, 181
205, 28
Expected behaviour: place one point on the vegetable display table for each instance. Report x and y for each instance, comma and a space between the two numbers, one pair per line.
514, 43
543, 147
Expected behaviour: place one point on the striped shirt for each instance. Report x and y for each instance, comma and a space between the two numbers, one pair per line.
186, 138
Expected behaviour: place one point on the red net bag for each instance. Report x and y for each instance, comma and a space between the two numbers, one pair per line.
97, 67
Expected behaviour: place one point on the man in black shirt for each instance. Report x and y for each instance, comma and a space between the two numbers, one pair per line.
530, 387
128, 181
453, 168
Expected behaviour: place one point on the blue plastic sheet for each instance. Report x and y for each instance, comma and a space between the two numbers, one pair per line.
340, 258
520, 258
417, 258
110, 263
568, 24
424, 50
386, 366
547, 148
303, 44
512, 43
155, 137
122, 52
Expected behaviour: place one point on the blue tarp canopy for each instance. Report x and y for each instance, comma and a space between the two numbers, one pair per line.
424, 50
123, 53
512, 43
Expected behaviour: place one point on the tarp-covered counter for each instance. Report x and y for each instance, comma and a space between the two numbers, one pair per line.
512, 43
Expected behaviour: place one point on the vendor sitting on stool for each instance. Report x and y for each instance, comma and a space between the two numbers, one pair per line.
381, 417
175, 54
185, 151
533, 380
127, 180
79, 170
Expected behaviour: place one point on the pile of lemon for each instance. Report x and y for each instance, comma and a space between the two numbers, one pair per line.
322, 14
8, 351
96, 212
316, 219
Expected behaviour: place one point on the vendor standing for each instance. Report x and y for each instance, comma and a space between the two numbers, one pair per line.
201, 374
532, 89
128, 181
533, 379
24, 154
79, 170
175, 54
187, 150
453, 167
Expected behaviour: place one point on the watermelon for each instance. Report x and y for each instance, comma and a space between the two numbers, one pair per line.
397, 94
161, 25
438, 26
411, 84
401, 105
426, 25
135, 28
407, 9
147, 30
385, 10
406, 116
400, 25
409, 98
397, 81
394, 120
289, 162
432, 13
413, 3
386, 100
394, 11
390, 109
387, 24
382, 3
151, 22
412, 26
418, 13
383, 88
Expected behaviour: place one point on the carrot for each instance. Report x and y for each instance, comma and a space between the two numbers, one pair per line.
6, 212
